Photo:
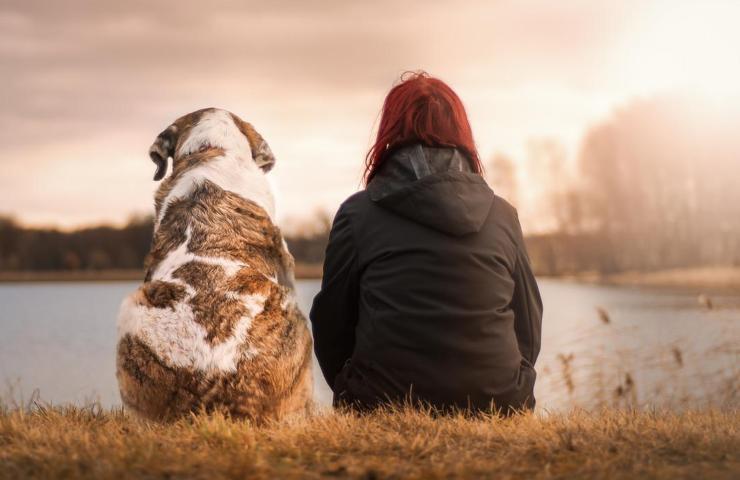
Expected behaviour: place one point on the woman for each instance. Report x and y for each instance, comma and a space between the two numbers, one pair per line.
427, 292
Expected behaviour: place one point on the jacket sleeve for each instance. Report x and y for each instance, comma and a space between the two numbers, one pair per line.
334, 311
526, 303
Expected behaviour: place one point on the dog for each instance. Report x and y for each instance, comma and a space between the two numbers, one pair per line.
215, 325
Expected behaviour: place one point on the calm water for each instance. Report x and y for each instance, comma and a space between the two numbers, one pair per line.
659, 347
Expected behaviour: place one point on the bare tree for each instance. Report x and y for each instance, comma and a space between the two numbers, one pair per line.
502, 176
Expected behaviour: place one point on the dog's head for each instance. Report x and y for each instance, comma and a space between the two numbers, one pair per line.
206, 129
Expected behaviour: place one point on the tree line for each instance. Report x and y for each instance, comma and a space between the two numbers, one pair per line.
110, 248
654, 186
94, 248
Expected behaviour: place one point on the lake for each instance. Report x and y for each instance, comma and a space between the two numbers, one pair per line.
602, 345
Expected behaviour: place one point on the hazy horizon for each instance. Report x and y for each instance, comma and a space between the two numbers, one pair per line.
90, 86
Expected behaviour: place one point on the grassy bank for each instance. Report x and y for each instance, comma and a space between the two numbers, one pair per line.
89, 443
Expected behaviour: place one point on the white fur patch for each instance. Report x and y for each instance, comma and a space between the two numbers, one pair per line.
216, 129
235, 171
174, 334
180, 256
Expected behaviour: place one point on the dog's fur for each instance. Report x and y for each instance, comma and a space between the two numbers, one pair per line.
215, 325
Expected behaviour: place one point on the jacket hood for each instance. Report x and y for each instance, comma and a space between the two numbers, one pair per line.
433, 186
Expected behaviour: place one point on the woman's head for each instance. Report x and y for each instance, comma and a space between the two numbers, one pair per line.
421, 109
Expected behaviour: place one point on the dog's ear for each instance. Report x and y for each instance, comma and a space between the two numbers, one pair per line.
261, 152
163, 148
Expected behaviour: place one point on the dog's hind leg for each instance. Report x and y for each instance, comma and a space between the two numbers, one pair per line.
149, 388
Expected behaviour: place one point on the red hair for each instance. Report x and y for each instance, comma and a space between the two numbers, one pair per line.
421, 109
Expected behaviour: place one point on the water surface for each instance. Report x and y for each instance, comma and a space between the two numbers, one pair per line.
660, 347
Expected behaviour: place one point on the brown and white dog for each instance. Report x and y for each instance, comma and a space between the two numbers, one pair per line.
215, 325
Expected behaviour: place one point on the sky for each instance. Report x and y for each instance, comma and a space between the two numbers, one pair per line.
86, 86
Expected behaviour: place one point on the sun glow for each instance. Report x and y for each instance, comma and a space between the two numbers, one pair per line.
685, 47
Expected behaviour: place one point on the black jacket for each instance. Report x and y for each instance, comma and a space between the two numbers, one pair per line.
428, 291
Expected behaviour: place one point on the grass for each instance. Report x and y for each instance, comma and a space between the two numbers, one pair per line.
71, 442
610, 440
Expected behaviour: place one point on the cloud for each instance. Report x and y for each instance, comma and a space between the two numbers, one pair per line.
101, 78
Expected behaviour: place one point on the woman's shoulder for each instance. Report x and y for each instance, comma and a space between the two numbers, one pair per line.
502, 212
503, 207
355, 203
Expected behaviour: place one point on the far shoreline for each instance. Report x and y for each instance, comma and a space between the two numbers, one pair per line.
717, 278
711, 278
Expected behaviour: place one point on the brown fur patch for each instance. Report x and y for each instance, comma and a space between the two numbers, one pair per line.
261, 153
213, 307
180, 166
158, 392
151, 388
275, 382
254, 138
222, 224
161, 294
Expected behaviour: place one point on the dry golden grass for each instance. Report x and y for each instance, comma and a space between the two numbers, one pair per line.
91, 443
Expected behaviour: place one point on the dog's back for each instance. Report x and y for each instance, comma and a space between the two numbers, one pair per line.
215, 325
